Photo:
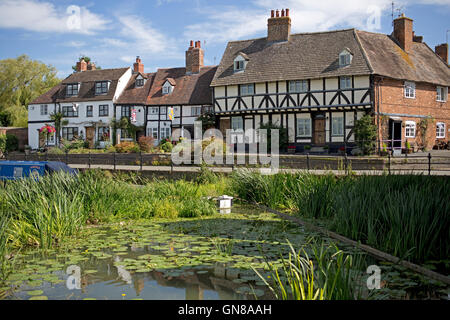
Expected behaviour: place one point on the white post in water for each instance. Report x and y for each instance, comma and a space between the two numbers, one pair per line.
224, 204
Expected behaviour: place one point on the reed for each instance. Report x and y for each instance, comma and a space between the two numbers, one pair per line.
406, 216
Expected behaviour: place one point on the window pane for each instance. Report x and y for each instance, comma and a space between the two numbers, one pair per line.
337, 125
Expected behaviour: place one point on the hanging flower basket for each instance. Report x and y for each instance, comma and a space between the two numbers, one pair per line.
47, 130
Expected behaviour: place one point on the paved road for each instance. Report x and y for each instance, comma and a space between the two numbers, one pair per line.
262, 170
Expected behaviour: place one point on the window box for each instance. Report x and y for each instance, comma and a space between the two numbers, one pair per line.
291, 149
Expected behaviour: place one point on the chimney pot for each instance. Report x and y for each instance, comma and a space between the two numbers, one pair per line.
287, 12
272, 13
278, 13
282, 12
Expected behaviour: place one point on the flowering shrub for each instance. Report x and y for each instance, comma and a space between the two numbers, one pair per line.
127, 147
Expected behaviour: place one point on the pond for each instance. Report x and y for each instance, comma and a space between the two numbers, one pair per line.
192, 259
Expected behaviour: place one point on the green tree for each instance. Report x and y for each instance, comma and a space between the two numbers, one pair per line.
21, 81
208, 121
366, 134
283, 135
59, 120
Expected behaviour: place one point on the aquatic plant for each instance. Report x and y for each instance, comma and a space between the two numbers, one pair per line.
403, 215
326, 274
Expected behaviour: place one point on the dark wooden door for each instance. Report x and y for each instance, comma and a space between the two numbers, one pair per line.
319, 131
90, 133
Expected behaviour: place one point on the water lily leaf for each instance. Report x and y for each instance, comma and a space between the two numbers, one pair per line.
39, 298
35, 292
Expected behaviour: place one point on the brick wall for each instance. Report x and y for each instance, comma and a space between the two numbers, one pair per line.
393, 101
20, 133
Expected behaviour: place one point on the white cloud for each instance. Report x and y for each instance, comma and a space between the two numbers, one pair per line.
224, 23
38, 16
75, 44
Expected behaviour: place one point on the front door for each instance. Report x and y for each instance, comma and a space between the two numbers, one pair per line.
224, 125
319, 131
90, 133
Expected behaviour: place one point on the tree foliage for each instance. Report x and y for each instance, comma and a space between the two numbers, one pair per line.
21, 81
366, 134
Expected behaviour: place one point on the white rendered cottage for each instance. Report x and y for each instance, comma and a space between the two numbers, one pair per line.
86, 99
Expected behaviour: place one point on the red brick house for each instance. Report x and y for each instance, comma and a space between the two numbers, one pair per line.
410, 87
317, 85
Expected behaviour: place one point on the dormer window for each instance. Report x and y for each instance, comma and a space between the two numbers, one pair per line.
101, 87
139, 82
72, 89
345, 58
168, 86
240, 62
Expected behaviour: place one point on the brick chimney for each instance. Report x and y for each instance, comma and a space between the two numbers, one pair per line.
279, 27
81, 65
442, 51
91, 66
403, 32
194, 57
138, 66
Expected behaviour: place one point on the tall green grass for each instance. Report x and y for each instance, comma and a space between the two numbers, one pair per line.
407, 216
326, 274
46, 211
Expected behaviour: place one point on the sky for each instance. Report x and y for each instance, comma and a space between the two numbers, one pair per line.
112, 33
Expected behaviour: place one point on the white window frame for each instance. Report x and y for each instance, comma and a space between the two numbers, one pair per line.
337, 126
140, 82
73, 89
237, 123
196, 111
245, 89
345, 59
442, 94
154, 133
410, 90
44, 109
440, 130
345, 82
167, 88
304, 128
298, 86
165, 132
410, 125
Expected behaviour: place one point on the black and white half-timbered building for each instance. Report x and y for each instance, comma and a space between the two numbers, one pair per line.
314, 84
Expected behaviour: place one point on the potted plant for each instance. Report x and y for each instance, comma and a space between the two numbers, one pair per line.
27, 149
307, 148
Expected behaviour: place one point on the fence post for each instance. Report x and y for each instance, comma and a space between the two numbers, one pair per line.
46, 155
67, 156
25, 156
307, 161
389, 163
346, 162
6, 155
89, 159
114, 160
140, 156
429, 164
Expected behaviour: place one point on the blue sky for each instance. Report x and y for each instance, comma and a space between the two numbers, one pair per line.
113, 32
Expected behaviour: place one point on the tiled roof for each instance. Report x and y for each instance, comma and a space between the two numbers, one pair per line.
192, 89
87, 87
316, 55
304, 56
386, 58
136, 95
